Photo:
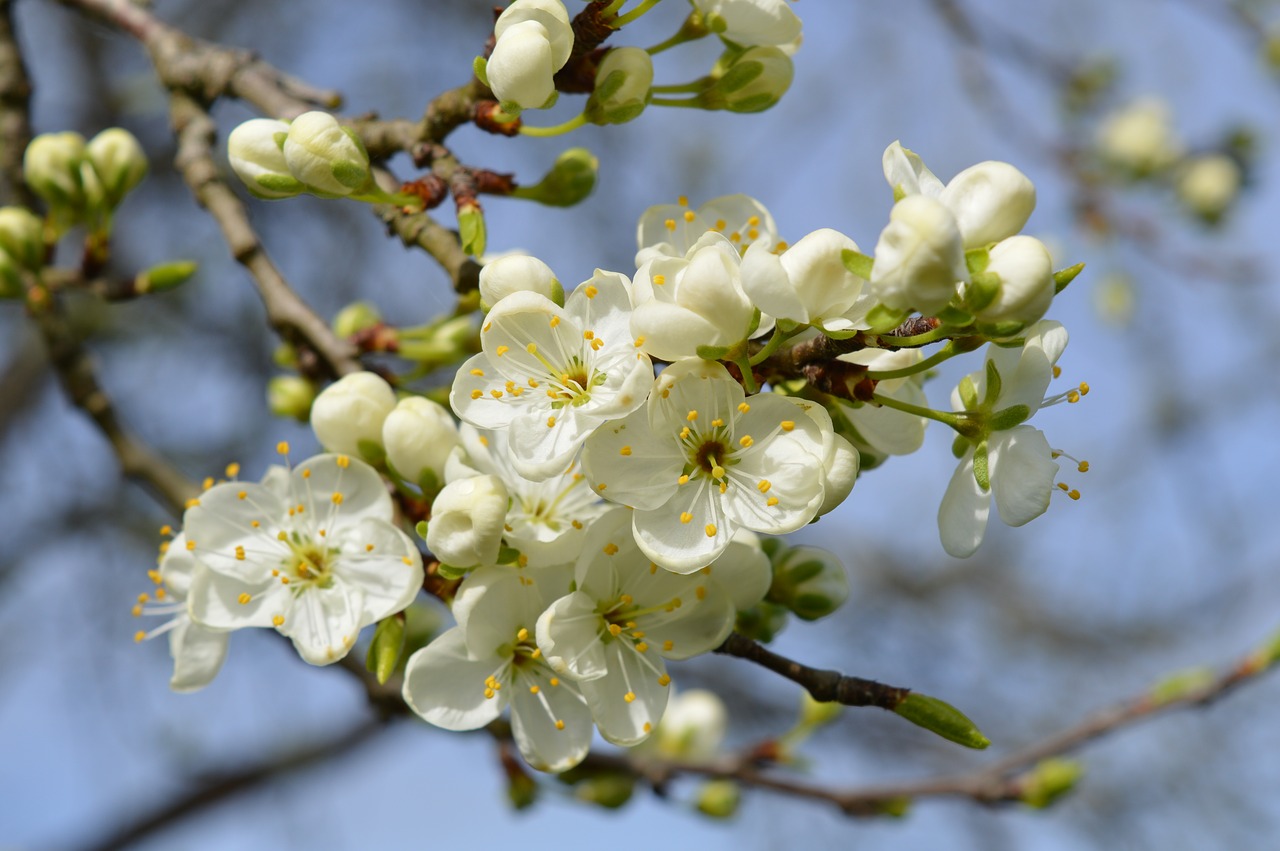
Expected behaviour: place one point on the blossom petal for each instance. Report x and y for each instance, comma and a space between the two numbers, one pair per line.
1022, 473
197, 654
569, 637
384, 563
629, 701
635, 465
339, 486
324, 623
962, 516
544, 743
493, 604
444, 685
215, 599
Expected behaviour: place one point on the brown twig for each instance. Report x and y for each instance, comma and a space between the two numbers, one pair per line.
216, 788
822, 685
15, 112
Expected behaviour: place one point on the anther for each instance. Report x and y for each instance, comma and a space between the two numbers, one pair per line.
710, 530
282, 448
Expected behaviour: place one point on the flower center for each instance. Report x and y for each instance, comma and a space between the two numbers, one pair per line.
308, 564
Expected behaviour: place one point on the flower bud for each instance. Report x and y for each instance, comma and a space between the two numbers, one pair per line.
119, 162
1209, 184
51, 167
809, 581
534, 40
354, 318
290, 396
418, 436
991, 201
515, 273
1023, 270
919, 258
750, 81
1139, 138
623, 81
693, 726
1049, 780
719, 798
324, 155
568, 182
751, 22
165, 276
347, 416
22, 237
254, 149
467, 520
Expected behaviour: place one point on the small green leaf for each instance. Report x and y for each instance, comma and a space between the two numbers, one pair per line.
471, 228
968, 394
976, 260
1049, 780
942, 718
857, 263
165, 276
994, 385
421, 529
480, 68
1179, 684
1062, 277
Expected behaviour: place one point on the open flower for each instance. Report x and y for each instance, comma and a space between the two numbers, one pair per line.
627, 616
545, 519
1004, 458
808, 283
553, 374
704, 460
314, 555
467, 676
671, 229
197, 651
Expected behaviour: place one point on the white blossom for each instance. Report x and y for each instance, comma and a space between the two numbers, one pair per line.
468, 675
254, 149
348, 415
324, 155
466, 523
1209, 184
751, 22
672, 229
703, 460
1140, 137
553, 374
626, 616
313, 554
808, 283
533, 41
418, 436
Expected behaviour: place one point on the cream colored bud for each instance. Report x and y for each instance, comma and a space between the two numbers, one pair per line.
254, 149
22, 236
1025, 271
1140, 137
321, 153
1209, 184
750, 81
513, 273
347, 416
623, 81
290, 396
51, 167
418, 436
521, 69
119, 161
467, 520
693, 726
991, 201
919, 258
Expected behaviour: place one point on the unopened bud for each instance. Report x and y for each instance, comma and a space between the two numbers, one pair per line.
749, 81
719, 798
762, 622
606, 790
22, 237
51, 167
568, 182
534, 39
513, 273
919, 257
290, 396
418, 436
324, 155
693, 726
119, 162
1023, 270
471, 229
1208, 185
386, 648
354, 318
938, 716
165, 276
623, 81
816, 713
467, 520
254, 149
347, 416
1050, 780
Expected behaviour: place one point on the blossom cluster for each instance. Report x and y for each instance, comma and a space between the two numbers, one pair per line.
597, 508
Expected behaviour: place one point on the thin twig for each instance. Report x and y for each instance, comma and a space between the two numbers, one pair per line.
822, 685
15, 112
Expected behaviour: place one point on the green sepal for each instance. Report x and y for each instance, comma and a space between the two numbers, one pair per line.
508, 555
448, 571
755, 324
1009, 417
981, 466
712, 352
350, 174
471, 228
857, 263
429, 482
968, 393
386, 647
373, 452
741, 74
938, 716
480, 67
421, 529
960, 445
994, 385
1049, 780
762, 622
804, 571
983, 289
1062, 277
883, 319
276, 185
841, 335
955, 317
997, 331
976, 260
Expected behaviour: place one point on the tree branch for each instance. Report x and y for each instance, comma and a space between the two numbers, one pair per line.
823, 685
15, 112
216, 788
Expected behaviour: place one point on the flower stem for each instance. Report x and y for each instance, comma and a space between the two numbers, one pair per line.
954, 420
558, 130
635, 13
890, 341
692, 103
748, 379
945, 353
682, 88
779, 337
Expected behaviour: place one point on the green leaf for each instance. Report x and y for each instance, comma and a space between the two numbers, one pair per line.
883, 319
480, 67
968, 394
938, 716
1179, 684
1062, 277
857, 263
1049, 780
471, 228
994, 385
386, 647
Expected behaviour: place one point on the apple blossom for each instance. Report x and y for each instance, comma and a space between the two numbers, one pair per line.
672, 229
751, 22
513, 273
808, 283
311, 552
553, 374
254, 149
418, 436
348, 415
324, 155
